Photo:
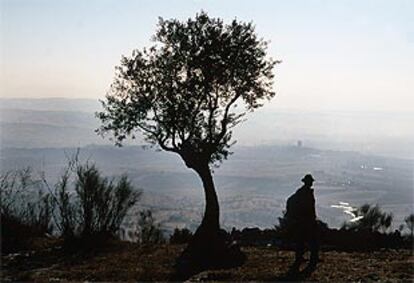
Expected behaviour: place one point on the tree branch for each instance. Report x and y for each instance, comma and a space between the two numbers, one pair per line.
224, 121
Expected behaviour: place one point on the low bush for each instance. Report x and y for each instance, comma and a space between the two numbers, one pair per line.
83, 207
26, 210
147, 230
180, 236
95, 207
370, 218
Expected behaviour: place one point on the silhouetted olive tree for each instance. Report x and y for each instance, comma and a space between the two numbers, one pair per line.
187, 91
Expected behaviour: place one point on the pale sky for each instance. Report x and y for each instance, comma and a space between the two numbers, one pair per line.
337, 55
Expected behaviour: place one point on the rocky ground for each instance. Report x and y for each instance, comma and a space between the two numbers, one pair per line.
129, 262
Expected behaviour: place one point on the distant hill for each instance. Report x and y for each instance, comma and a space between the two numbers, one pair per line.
51, 104
61, 122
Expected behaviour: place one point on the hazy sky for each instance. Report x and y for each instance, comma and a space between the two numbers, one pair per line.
348, 55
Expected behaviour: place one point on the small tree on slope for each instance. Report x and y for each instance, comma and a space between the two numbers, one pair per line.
186, 93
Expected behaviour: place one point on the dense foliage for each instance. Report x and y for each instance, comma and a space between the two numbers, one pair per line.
189, 89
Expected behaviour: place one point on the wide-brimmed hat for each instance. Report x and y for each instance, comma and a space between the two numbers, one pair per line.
308, 178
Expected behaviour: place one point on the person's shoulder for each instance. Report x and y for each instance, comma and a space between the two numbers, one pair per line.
304, 191
301, 190
300, 193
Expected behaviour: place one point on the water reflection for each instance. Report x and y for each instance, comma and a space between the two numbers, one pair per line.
347, 209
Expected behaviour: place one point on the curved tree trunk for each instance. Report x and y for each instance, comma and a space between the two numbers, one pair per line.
207, 245
200, 164
211, 218
210, 246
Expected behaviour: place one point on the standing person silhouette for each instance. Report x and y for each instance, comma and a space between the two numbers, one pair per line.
302, 225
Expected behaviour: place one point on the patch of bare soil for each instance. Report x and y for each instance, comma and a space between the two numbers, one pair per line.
129, 262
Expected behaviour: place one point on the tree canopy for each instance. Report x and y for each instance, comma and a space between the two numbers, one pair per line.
190, 88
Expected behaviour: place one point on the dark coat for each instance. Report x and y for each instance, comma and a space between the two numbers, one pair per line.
301, 214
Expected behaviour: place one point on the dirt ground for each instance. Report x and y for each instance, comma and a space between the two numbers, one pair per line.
129, 262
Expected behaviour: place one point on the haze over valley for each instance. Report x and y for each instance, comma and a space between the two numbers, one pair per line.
356, 158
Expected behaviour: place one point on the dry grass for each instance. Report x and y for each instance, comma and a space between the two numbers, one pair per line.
129, 262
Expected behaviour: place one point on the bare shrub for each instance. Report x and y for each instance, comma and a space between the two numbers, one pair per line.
372, 219
181, 236
147, 230
96, 205
26, 210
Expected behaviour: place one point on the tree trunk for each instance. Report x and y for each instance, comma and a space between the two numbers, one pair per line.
210, 246
211, 218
